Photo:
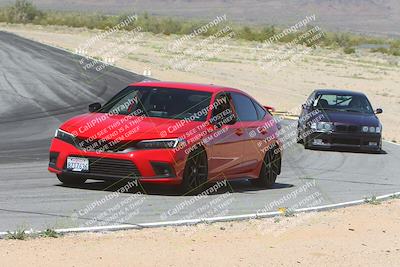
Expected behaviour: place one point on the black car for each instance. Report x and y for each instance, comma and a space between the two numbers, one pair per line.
339, 119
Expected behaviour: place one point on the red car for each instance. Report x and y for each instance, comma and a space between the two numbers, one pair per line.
170, 133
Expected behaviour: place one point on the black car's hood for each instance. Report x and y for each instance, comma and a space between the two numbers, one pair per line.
352, 118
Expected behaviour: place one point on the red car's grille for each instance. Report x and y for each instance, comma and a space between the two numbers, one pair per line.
113, 167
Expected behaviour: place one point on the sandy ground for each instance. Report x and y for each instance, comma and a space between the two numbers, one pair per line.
366, 235
237, 65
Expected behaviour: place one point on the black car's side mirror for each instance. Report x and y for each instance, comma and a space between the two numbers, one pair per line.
378, 111
94, 107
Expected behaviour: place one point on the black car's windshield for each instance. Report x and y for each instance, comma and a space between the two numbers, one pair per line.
347, 103
160, 102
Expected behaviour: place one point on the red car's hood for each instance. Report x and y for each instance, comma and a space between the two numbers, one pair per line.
111, 127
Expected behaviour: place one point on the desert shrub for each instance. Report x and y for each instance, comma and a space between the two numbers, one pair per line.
349, 50
340, 39
268, 31
21, 12
246, 33
380, 50
393, 50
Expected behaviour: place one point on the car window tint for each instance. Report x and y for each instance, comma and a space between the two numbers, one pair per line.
310, 100
260, 110
330, 98
354, 103
244, 108
168, 103
221, 104
126, 102
222, 112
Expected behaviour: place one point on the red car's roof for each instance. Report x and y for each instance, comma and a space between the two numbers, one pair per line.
188, 86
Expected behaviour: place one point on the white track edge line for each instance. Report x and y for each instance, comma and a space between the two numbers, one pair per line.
205, 220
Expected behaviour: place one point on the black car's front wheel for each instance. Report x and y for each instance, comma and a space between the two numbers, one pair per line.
299, 135
196, 172
306, 142
68, 179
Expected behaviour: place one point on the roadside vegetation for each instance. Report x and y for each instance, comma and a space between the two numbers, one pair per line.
23, 11
22, 234
19, 234
373, 201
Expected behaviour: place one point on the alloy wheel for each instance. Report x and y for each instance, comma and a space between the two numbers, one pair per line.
196, 172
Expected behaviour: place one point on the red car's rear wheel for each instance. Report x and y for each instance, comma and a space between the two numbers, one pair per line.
269, 170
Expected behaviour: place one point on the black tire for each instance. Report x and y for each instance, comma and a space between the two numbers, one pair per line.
195, 174
71, 179
269, 170
299, 134
306, 143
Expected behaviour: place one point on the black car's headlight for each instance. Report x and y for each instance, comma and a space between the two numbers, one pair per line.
322, 126
160, 143
65, 136
371, 129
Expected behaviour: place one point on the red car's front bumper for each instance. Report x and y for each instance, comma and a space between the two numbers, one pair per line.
140, 164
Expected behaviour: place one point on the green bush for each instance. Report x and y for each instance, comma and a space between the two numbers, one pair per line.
393, 50
19, 234
349, 50
21, 12
380, 50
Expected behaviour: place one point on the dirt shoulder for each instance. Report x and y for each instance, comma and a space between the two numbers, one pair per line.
237, 65
366, 235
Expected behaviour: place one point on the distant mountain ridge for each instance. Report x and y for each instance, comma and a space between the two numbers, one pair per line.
379, 17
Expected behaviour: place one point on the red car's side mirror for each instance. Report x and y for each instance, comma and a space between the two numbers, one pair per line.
269, 108
94, 107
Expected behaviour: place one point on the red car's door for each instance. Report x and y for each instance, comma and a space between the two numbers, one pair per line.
251, 122
226, 142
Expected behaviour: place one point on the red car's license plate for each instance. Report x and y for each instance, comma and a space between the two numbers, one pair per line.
77, 164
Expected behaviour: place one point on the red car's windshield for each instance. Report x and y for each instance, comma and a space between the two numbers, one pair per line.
160, 102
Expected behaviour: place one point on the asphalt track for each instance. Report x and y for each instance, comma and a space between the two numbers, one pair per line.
41, 86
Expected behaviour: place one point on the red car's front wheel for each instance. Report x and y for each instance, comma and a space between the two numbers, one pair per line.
196, 172
70, 179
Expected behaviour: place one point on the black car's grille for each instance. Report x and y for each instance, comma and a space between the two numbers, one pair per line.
346, 141
347, 128
112, 167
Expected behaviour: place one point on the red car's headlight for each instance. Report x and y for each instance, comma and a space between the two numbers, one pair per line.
65, 136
